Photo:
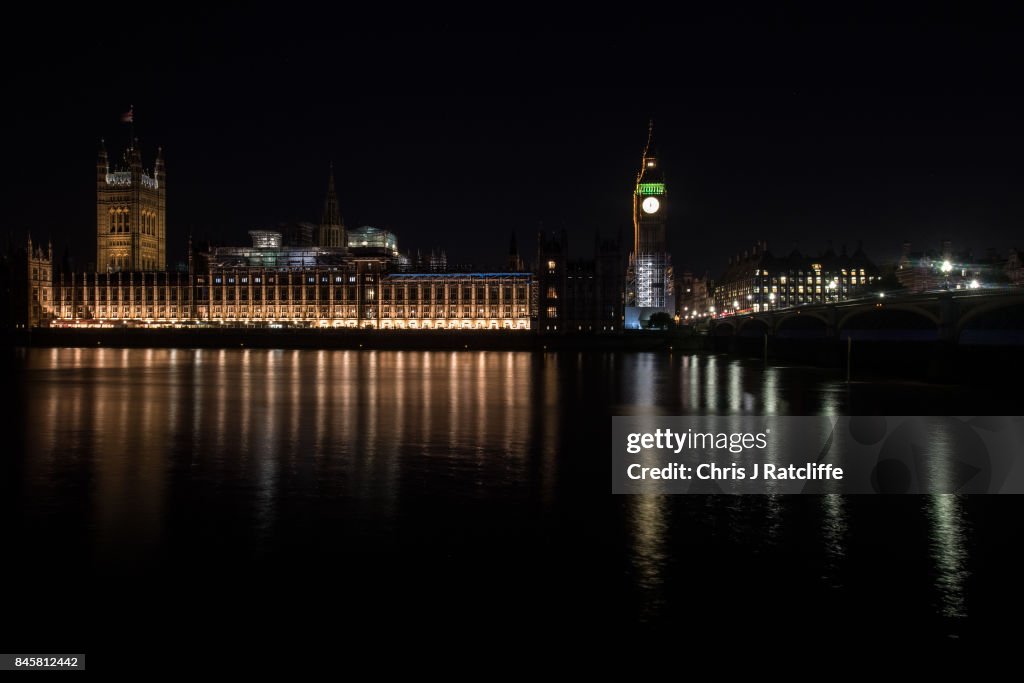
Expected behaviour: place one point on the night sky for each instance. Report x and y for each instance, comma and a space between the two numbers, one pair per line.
797, 132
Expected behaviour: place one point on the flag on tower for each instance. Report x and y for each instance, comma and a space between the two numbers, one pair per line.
129, 116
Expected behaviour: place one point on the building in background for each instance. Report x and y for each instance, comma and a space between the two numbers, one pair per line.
434, 261
694, 297
26, 280
269, 250
371, 241
578, 295
1014, 267
649, 287
131, 204
756, 280
945, 268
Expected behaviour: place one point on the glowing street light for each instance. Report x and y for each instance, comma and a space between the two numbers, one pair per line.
830, 289
946, 268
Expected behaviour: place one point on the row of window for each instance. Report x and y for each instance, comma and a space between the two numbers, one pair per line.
123, 263
117, 294
120, 221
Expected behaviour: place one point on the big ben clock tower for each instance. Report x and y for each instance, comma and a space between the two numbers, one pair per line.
649, 278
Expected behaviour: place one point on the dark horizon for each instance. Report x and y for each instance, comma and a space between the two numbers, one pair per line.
799, 134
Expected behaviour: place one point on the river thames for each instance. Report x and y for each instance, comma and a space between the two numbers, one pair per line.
244, 490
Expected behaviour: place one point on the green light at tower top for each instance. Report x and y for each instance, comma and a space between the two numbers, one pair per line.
650, 188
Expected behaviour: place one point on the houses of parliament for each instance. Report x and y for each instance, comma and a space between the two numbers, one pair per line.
306, 276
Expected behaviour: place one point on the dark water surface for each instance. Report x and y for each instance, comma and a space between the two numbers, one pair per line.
152, 497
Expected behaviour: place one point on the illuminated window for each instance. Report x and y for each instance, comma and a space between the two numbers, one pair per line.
551, 266
552, 311
552, 293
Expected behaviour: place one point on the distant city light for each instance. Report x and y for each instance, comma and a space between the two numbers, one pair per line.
946, 266
975, 284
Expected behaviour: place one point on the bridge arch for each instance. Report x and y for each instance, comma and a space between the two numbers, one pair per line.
921, 311
802, 324
994, 322
754, 327
1002, 304
724, 328
895, 323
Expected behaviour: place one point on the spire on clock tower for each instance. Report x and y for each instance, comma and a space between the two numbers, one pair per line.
649, 171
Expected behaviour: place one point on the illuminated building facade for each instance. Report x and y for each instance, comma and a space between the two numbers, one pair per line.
649, 287
757, 281
358, 294
122, 297
131, 203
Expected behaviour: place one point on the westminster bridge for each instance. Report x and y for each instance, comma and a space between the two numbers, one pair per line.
965, 317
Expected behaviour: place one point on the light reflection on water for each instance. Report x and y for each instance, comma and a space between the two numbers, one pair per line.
258, 434
948, 530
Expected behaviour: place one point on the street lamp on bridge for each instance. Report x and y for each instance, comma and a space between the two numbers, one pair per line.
946, 268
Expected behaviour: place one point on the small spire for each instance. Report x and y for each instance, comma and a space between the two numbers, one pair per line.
332, 214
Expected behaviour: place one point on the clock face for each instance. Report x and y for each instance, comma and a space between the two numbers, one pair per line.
651, 205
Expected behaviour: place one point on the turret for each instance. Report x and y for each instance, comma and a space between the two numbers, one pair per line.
102, 164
